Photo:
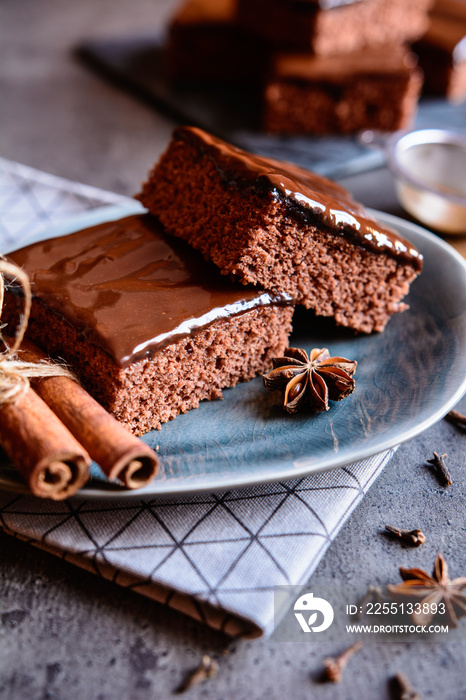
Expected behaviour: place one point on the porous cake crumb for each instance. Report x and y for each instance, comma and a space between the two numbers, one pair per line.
280, 227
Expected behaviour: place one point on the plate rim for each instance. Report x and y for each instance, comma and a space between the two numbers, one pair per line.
182, 486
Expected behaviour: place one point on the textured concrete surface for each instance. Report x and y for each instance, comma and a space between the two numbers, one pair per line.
65, 633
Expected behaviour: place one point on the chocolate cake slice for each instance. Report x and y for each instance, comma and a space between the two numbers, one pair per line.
367, 89
149, 327
329, 27
281, 227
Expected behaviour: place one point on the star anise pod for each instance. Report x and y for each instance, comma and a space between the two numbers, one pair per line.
311, 380
432, 590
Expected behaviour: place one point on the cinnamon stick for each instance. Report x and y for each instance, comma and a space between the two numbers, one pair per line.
47, 456
120, 454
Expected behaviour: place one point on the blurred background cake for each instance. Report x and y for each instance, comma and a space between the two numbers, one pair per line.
321, 66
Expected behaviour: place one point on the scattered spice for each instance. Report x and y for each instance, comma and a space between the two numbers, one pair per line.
441, 469
433, 590
412, 537
311, 380
402, 688
457, 418
206, 669
334, 667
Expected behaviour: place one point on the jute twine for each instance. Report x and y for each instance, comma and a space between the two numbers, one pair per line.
14, 373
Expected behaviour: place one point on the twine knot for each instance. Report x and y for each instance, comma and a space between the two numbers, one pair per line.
14, 373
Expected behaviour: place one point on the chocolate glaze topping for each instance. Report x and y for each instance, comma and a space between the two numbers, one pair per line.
383, 60
306, 196
130, 289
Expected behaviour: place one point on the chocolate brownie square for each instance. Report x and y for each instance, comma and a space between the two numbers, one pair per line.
282, 228
328, 27
148, 326
367, 89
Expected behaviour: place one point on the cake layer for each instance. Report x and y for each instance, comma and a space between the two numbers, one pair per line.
328, 28
129, 288
149, 327
177, 378
279, 226
367, 89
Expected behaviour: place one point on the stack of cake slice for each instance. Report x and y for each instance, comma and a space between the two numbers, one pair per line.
151, 328
323, 66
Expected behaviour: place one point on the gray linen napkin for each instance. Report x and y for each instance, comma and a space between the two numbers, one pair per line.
216, 557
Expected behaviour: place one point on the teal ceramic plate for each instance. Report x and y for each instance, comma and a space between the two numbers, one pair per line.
408, 377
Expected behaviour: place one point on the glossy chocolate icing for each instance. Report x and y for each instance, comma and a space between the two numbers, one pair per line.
306, 196
303, 67
130, 289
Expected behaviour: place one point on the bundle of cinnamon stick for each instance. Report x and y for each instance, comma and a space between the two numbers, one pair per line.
51, 428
